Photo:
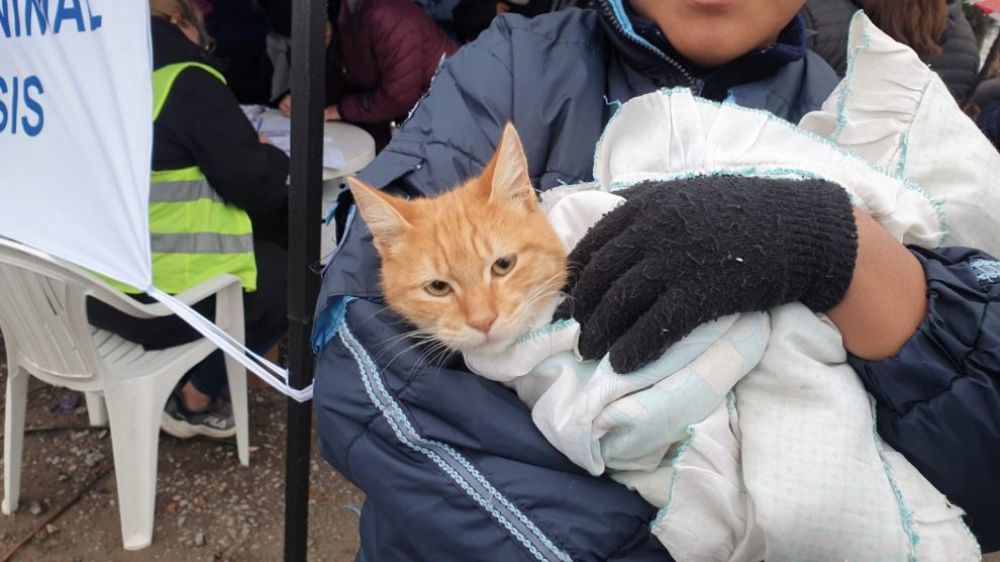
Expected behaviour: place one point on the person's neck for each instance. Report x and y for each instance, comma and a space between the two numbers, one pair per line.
788, 45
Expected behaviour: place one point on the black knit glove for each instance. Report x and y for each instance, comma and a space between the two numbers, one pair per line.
681, 253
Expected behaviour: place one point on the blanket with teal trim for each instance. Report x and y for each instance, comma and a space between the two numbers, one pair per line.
752, 434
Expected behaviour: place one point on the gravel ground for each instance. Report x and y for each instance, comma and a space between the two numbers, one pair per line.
208, 507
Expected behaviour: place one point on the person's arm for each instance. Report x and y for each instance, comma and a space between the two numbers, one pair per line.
886, 300
203, 115
678, 254
447, 139
395, 43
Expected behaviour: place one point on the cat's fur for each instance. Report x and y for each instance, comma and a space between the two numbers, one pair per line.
467, 238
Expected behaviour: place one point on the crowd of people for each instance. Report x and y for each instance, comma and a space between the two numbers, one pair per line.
252, 45
553, 75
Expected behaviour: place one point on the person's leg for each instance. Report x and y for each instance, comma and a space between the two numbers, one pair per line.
150, 333
205, 382
265, 316
265, 311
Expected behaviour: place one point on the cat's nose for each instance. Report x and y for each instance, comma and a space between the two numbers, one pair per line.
483, 323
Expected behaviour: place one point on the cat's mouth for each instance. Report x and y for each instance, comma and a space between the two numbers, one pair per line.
483, 344
493, 345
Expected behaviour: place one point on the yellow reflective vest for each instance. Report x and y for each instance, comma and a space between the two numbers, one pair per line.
194, 234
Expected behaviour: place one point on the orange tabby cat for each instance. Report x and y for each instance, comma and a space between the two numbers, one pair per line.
471, 266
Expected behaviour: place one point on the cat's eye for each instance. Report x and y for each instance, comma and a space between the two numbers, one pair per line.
503, 265
438, 288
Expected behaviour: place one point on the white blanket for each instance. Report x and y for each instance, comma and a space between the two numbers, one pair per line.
752, 434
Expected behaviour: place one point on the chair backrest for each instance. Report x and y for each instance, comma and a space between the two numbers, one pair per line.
43, 313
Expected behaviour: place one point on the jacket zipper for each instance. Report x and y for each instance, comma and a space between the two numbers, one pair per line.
606, 9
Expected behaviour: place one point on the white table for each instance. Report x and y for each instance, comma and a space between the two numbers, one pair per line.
356, 145
359, 149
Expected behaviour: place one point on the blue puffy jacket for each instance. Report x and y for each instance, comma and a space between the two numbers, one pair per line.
452, 466
938, 399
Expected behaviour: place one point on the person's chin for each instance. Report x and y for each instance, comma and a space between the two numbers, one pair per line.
710, 54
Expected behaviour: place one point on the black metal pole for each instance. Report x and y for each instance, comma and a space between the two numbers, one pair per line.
308, 80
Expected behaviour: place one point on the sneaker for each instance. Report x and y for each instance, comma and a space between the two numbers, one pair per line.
216, 422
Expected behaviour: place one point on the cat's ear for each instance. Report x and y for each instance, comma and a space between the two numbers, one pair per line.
384, 214
509, 168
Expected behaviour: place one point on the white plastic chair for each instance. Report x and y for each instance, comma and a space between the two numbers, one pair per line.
44, 323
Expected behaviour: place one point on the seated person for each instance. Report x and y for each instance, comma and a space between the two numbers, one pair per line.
383, 56
422, 437
203, 142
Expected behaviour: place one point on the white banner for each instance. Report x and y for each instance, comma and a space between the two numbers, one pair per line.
76, 131
76, 139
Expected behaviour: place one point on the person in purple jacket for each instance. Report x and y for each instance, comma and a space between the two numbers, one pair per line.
383, 57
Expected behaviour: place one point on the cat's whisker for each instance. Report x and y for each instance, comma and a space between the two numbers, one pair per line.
426, 338
437, 350
546, 289
419, 333
377, 312
434, 355
419, 336
400, 352
406, 350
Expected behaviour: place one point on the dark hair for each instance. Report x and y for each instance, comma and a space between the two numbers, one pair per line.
185, 11
918, 23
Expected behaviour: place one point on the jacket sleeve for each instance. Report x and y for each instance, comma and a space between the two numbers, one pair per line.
203, 115
958, 63
451, 133
451, 464
397, 50
938, 399
989, 121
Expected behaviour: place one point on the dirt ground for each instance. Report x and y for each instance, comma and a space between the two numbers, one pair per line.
208, 507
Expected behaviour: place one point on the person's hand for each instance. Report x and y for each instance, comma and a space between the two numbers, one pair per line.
681, 253
264, 139
285, 107
331, 113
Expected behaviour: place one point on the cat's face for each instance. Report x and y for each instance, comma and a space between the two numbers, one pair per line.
473, 266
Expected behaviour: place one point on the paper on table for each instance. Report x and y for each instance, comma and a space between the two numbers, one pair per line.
273, 124
333, 157
278, 128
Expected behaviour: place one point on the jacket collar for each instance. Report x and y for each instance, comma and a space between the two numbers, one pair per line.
640, 53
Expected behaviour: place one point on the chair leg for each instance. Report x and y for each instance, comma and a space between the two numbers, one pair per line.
13, 443
134, 411
96, 409
229, 317
237, 376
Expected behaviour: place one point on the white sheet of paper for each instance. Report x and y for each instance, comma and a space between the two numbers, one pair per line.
278, 128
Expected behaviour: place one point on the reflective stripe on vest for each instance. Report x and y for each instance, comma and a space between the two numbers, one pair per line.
194, 234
